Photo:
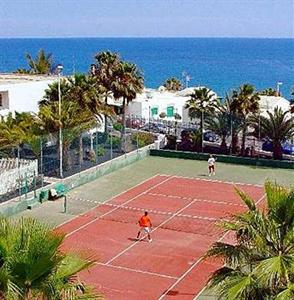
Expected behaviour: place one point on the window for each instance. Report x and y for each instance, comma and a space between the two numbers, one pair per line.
170, 111
154, 111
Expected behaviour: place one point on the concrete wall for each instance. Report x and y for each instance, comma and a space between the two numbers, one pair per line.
23, 97
9, 179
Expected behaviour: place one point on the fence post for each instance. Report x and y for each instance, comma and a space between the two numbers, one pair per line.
18, 167
35, 184
111, 154
41, 156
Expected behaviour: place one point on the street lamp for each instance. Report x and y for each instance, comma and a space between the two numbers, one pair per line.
278, 87
59, 70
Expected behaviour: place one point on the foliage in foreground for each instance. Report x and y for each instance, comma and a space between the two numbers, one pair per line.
32, 266
260, 265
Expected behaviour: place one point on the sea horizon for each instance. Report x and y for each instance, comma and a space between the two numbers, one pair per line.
221, 63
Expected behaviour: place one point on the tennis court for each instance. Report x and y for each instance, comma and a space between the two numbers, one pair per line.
184, 212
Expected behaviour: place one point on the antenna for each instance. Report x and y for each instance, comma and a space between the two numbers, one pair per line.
186, 78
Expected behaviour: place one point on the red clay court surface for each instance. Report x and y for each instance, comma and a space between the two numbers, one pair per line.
184, 213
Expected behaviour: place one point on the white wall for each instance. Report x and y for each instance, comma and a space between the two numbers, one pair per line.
9, 179
24, 97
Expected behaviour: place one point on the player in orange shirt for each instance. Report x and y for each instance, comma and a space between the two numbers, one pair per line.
145, 226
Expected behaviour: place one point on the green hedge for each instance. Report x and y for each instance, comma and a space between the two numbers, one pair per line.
285, 164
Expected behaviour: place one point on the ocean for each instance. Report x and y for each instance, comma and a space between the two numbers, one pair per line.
219, 63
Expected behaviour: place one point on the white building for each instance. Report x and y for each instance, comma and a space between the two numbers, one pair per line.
268, 103
151, 103
22, 92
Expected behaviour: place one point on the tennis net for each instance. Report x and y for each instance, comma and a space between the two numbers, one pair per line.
160, 219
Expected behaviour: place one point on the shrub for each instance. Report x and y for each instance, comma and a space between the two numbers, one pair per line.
143, 139
117, 126
101, 151
115, 141
162, 115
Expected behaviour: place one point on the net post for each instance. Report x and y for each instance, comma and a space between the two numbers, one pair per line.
65, 204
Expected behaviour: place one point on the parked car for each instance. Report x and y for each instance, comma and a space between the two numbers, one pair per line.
209, 136
154, 127
287, 147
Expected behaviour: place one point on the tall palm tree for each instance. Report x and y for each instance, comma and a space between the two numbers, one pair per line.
84, 91
173, 84
127, 84
34, 267
260, 264
74, 122
202, 103
104, 72
245, 102
42, 64
277, 126
219, 123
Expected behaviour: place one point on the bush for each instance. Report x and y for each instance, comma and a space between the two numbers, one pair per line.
101, 151
115, 141
143, 139
117, 126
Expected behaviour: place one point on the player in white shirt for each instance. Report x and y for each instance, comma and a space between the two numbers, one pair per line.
211, 165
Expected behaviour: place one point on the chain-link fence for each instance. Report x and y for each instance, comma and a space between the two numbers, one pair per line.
223, 133
80, 150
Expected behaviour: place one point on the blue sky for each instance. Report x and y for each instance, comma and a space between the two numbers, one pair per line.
147, 18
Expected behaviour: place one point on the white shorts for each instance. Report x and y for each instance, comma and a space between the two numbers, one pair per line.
145, 229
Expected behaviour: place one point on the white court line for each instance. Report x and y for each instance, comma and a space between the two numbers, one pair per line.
114, 209
193, 266
159, 212
113, 197
199, 294
216, 180
157, 227
198, 199
136, 271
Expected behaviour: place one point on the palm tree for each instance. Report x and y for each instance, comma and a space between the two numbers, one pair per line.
104, 72
268, 92
292, 106
84, 91
42, 64
34, 267
260, 264
245, 102
128, 83
219, 123
74, 121
16, 130
277, 126
172, 84
203, 102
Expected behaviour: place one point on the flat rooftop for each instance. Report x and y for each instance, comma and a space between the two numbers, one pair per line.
11, 78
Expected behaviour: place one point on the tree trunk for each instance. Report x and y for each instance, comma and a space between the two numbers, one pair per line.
123, 136
105, 120
66, 157
223, 146
201, 128
277, 150
234, 143
244, 131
